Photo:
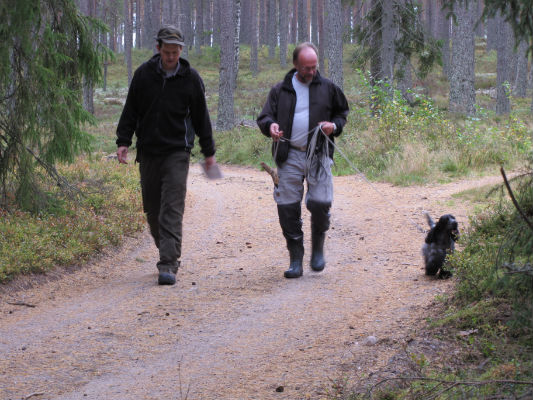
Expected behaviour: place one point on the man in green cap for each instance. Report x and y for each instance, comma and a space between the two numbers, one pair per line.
165, 108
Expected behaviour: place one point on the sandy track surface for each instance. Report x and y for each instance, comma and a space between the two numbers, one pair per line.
232, 327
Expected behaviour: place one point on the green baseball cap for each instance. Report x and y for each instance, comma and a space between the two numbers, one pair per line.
171, 35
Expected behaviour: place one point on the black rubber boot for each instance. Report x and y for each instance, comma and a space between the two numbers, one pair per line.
296, 253
290, 219
317, 257
319, 226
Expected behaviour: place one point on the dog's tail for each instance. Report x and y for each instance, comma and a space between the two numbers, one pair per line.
430, 221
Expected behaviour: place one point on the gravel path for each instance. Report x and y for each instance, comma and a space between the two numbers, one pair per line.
232, 327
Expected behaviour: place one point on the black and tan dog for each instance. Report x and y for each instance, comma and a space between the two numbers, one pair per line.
440, 241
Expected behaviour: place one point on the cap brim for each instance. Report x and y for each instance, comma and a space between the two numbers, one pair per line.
172, 41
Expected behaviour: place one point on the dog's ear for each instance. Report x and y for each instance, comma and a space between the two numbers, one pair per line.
441, 223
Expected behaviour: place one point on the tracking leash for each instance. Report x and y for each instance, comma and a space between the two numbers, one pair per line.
311, 151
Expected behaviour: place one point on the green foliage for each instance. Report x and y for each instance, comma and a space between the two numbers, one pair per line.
497, 246
412, 40
390, 139
44, 55
67, 232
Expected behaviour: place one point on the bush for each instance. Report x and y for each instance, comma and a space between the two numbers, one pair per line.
71, 230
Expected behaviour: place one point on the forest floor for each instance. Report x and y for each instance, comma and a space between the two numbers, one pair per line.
232, 327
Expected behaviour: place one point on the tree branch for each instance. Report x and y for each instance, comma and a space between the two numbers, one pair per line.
528, 222
526, 269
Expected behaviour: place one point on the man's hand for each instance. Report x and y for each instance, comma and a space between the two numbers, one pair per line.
327, 127
122, 154
275, 133
209, 161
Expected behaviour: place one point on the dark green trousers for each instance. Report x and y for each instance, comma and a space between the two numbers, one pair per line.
164, 185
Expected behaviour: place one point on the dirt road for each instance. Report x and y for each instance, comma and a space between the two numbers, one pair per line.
232, 327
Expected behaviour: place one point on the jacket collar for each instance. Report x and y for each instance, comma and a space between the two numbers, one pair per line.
155, 64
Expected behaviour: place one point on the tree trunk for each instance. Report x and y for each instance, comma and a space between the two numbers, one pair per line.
148, 36
209, 23
322, 38
199, 27
166, 12
388, 35
283, 32
405, 78
186, 25
216, 22
138, 24
272, 29
88, 84
444, 35
294, 22
462, 92
492, 34
263, 28
314, 22
404, 71
530, 85
503, 73
376, 43
156, 15
334, 23
236, 40
303, 35
128, 38
480, 28
428, 15
225, 116
254, 39
347, 29
246, 19
521, 70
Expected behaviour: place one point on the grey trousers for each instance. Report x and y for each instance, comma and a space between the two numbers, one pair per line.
164, 185
289, 193
292, 174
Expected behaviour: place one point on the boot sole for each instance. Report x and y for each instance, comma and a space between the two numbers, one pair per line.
291, 275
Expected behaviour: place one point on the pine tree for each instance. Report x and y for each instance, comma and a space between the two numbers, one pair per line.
46, 49
226, 113
462, 91
334, 49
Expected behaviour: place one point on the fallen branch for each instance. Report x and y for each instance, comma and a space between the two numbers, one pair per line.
21, 303
34, 394
526, 269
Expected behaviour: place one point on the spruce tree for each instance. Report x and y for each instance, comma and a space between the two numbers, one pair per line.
46, 48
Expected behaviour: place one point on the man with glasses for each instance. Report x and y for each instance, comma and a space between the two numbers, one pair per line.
294, 108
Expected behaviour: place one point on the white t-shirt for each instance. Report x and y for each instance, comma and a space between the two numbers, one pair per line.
300, 123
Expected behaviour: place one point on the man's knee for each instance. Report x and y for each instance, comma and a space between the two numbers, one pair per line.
319, 215
290, 220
